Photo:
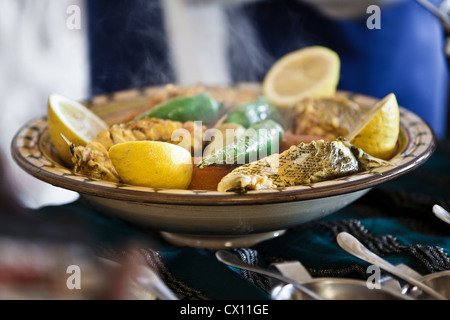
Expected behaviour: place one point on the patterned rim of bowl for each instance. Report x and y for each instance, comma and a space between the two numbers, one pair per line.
31, 149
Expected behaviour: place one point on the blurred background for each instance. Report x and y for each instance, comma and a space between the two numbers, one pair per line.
38, 55
83, 48
50, 46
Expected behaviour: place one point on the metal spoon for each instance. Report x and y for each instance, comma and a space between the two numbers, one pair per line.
148, 279
350, 244
441, 213
230, 259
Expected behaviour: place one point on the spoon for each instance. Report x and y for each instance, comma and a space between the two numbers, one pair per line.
148, 279
441, 213
350, 244
230, 259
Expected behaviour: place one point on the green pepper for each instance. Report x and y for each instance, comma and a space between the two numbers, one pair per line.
201, 107
258, 141
253, 112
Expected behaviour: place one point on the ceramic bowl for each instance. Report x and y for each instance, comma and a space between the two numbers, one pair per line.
208, 218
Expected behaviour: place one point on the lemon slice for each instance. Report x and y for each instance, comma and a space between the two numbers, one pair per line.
152, 164
377, 133
71, 122
309, 72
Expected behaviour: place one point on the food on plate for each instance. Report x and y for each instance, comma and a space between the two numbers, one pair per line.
227, 96
308, 151
326, 117
71, 122
152, 164
261, 139
93, 159
379, 136
294, 129
291, 139
201, 107
308, 72
209, 177
302, 164
229, 133
252, 112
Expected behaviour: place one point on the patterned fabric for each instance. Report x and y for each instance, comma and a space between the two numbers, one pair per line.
250, 256
432, 258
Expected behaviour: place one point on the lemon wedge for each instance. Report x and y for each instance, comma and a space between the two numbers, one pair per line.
378, 132
152, 164
308, 72
71, 122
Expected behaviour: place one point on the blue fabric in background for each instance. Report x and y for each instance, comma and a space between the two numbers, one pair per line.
406, 56
128, 48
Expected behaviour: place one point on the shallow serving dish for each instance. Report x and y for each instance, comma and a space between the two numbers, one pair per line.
208, 218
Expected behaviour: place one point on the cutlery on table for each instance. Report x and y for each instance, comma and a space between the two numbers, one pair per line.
230, 259
143, 276
148, 279
352, 245
441, 213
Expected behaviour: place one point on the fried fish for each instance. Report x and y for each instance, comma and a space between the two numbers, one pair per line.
93, 159
302, 164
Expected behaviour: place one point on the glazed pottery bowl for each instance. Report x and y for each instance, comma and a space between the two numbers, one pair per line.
204, 218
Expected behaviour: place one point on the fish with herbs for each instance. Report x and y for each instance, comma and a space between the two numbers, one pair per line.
93, 159
302, 164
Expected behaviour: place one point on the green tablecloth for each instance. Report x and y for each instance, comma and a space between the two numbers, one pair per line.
394, 219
